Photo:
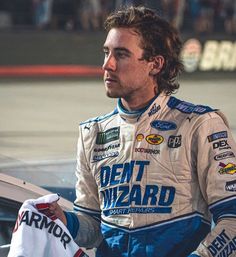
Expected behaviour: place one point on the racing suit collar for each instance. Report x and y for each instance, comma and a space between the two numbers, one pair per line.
134, 116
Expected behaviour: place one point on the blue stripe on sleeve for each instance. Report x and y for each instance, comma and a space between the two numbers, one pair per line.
224, 208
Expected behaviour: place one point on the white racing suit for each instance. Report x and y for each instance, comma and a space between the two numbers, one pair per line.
151, 182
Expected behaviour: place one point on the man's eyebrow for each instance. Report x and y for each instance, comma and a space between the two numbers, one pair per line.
122, 49
118, 49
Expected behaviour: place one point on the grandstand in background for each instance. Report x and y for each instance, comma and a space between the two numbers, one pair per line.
69, 34
200, 16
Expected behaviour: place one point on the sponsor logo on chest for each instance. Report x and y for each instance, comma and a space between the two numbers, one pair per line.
108, 136
155, 108
163, 125
123, 191
175, 141
154, 139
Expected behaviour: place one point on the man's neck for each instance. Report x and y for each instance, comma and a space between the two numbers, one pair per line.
135, 105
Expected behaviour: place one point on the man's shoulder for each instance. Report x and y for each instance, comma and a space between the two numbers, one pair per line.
187, 107
100, 128
190, 116
99, 119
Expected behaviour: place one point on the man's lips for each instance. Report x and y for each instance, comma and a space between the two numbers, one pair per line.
108, 79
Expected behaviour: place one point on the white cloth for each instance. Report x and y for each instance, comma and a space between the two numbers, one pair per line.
38, 235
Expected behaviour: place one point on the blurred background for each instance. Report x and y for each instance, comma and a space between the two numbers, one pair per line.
71, 31
200, 16
51, 80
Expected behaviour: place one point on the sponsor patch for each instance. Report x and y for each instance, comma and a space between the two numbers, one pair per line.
105, 149
123, 190
224, 155
229, 168
88, 126
187, 107
218, 135
154, 139
154, 110
221, 145
175, 141
108, 136
147, 150
163, 125
222, 245
139, 137
97, 158
230, 186
189, 119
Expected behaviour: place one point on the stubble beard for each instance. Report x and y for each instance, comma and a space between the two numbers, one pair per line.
112, 94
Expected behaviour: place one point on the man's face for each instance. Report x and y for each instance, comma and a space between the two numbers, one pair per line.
126, 75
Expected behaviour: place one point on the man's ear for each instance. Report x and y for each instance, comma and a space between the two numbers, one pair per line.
157, 63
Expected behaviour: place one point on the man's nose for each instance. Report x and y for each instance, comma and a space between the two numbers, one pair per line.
109, 63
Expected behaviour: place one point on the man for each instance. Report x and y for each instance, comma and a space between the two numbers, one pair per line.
152, 172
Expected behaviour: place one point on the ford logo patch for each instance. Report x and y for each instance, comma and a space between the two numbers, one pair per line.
163, 125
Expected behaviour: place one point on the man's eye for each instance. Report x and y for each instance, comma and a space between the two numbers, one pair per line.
121, 54
106, 53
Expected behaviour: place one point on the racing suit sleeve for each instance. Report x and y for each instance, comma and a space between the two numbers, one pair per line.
215, 151
86, 204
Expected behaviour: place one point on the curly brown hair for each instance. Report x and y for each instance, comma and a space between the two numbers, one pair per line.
158, 37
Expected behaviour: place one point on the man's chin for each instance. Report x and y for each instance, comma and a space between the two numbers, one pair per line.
112, 94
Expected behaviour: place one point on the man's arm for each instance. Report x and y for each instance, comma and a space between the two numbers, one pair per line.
216, 167
86, 205
84, 221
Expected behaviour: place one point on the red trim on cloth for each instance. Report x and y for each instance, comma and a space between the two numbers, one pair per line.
42, 206
79, 253
44, 209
